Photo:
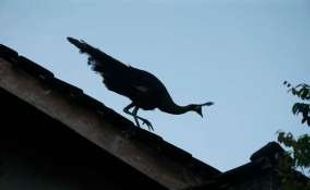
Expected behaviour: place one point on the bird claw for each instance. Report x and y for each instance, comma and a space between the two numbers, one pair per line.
148, 124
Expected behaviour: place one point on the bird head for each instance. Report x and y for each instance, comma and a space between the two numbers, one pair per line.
198, 107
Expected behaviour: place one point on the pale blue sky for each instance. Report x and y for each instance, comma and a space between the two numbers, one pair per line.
236, 53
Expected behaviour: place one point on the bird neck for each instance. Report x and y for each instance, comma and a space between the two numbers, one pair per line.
173, 108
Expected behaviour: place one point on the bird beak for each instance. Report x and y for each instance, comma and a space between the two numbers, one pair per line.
207, 104
199, 111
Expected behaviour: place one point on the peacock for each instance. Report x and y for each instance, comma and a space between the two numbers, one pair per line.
143, 89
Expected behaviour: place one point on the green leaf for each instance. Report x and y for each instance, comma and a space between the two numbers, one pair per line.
295, 108
304, 93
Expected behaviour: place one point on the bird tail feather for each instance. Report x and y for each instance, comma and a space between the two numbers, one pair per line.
100, 61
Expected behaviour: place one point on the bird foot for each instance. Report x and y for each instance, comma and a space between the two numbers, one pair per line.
148, 124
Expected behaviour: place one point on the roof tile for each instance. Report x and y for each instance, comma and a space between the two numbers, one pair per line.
8, 53
33, 68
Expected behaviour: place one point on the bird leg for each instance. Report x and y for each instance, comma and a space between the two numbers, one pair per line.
134, 114
145, 121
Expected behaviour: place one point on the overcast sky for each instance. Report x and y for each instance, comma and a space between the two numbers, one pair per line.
236, 53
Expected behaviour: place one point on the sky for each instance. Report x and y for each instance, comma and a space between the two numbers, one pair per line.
236, 53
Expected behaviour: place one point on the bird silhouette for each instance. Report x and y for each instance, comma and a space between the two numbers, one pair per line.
144, 89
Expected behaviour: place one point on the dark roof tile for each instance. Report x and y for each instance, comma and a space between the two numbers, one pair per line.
8, 53
114, 118
272, 151
33, 68
64, 87
90, 102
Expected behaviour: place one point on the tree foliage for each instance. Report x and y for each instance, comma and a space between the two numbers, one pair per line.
302, 91
298, 147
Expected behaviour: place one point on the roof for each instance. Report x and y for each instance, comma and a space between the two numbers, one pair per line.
263, 161
161, 161
43, 153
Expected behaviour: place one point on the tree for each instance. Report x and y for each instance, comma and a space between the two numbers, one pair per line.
298, 147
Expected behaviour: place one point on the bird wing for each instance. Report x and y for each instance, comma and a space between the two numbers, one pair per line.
118, 77
138, 85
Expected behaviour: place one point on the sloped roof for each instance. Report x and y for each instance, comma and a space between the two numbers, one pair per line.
145, 151
264, 160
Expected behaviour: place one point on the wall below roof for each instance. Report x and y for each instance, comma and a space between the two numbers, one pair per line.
37, 152
266, 181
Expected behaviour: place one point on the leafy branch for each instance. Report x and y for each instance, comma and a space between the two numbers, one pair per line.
299, 148
302, 91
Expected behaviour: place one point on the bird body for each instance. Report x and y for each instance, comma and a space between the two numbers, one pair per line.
144, 89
